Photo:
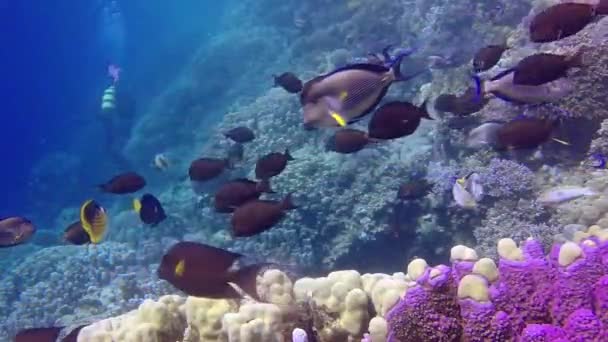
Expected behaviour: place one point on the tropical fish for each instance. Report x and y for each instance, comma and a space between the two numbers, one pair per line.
468, 191
108, 99
543, 68
76, 235
238, 192
94, 220
465, 104
521, 133
204, 169
488, 56
271, 164
38, 335
396, 119
150, 209
563, 20
288, 81
413, 190
347, 141
125, 183
484, 134
562, 194
15, 231
240, 135
257, 216
161, 162
204, 271
345, 95
502, 86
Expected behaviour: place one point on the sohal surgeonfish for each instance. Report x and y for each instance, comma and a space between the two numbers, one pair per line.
543, 68
94, 220
288, 81
204, 271
257, 216
347, 141
204, 169
150, 209
272, 164
125, 183
15, 231
396, 119
347, 94
240, 135
238, 192
76, 235
488, 56
563, 20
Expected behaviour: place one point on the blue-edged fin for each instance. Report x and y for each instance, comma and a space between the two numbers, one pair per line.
478, 83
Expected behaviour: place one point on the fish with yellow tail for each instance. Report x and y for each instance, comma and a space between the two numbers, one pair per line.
94, 220
468, 191
150, 209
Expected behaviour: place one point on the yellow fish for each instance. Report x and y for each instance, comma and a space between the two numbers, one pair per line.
94, 220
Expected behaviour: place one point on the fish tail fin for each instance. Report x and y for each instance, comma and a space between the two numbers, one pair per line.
478, 84
287, 203
289, 157
264, 186
246, 279
137, 205
425, 112
385, 52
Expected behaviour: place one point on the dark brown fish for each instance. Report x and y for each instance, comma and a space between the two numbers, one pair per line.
414, 190
204, 169
396, 119
15, 231
38, 335
240, 135
204, 271
125, 183
445, 102
289, 82
238, 192
462, 105
524, 133
487, 57
271, 164
75, 234
150, 210
348, 141
563, 20
543, 68
257, 216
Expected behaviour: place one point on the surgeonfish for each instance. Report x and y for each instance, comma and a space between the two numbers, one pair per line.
288, 81
76, 235
15, 231
488, 56
520, 133
204, 271
240, 135
396, 120
150, 209
257, 216
94, 220
562, 194
502, 86
272, 164
204, 169
345, 95
38, 335
238, 192
462, 105
564, 20
124, 183
541, 68
347, 141
468, 191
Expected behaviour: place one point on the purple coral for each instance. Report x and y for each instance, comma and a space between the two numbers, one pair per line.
559, 297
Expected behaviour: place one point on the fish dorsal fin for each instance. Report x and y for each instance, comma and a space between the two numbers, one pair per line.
502, 74
361, 66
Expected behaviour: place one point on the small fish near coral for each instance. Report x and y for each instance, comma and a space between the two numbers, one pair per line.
125, 183
240, 135
563, 194
541, 68
15, 231
488, 56
396, 120
161, 162
288, 81
94, 220
50, 334
468, 191
149, 209
205, 169
272, 164
205, 271
257, 216
564, 20
347, 141
237, 192
76, 235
